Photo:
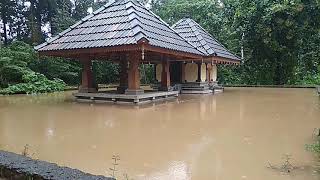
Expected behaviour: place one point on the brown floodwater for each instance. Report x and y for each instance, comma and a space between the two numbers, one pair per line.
228, 136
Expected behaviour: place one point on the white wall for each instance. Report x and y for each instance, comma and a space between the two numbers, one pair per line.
159, 72
203, 72
191, 72
214, 72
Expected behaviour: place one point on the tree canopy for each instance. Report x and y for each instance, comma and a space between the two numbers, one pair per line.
280, 38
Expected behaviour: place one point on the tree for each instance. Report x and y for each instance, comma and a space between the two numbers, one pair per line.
81, 8
7, 10
62, 18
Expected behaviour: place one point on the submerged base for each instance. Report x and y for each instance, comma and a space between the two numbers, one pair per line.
134, 92
87, 90
196, 88
125, 98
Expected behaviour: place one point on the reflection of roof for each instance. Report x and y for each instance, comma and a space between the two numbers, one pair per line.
121, 22
202, 40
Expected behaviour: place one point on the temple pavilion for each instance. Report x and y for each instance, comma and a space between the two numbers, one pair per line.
198, 76
127, 33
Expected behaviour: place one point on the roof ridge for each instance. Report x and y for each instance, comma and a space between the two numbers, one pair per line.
218, 42
166, 24
201, 39
157, 17
210, 35
198, 34
178, 22
139, 34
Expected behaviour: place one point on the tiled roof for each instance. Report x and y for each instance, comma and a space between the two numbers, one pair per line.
120, 22
202, 40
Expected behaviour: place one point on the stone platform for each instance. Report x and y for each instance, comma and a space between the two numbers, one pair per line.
196, 88
112, 96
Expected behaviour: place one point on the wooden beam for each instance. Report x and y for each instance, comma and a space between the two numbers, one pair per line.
220, 60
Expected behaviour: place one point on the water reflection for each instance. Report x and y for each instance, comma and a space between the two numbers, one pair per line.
226, 136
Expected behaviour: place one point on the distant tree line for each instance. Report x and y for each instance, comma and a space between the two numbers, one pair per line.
280, 39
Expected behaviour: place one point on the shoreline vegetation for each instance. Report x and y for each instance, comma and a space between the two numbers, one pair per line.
315, 148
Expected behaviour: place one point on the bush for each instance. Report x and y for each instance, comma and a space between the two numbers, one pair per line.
14, 61
35, 83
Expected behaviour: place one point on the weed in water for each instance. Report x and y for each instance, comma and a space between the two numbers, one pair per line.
115, 159
25, 151
286, 166
126, 177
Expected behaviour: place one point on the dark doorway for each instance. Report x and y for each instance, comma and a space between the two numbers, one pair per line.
175, 72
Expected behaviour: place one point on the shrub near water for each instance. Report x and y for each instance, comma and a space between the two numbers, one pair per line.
35, 83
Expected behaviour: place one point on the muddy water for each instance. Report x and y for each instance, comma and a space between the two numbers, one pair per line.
229, 136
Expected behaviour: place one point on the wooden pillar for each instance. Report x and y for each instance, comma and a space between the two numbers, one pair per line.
165, 76
87, 85
123, 74
183, 72
134, 74
199, 72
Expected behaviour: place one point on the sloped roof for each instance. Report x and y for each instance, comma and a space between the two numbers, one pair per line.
201, 39
120, 22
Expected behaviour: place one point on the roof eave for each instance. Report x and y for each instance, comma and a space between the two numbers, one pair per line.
221, 60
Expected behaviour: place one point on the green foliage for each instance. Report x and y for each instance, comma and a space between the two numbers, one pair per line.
17, 76
67, 70
281, 38
314, 147
147, 74
35, 83
81, 8
14, 61
105, 72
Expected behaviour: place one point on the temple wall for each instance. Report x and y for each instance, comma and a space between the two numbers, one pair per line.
159, 72
214, 72
191, 72
203, 72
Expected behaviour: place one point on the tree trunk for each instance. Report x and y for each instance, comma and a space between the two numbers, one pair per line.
5, 31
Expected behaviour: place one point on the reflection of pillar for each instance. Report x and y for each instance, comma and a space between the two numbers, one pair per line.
87, 85
183, 72
123, 74
134, 75
199, 72
165, 76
